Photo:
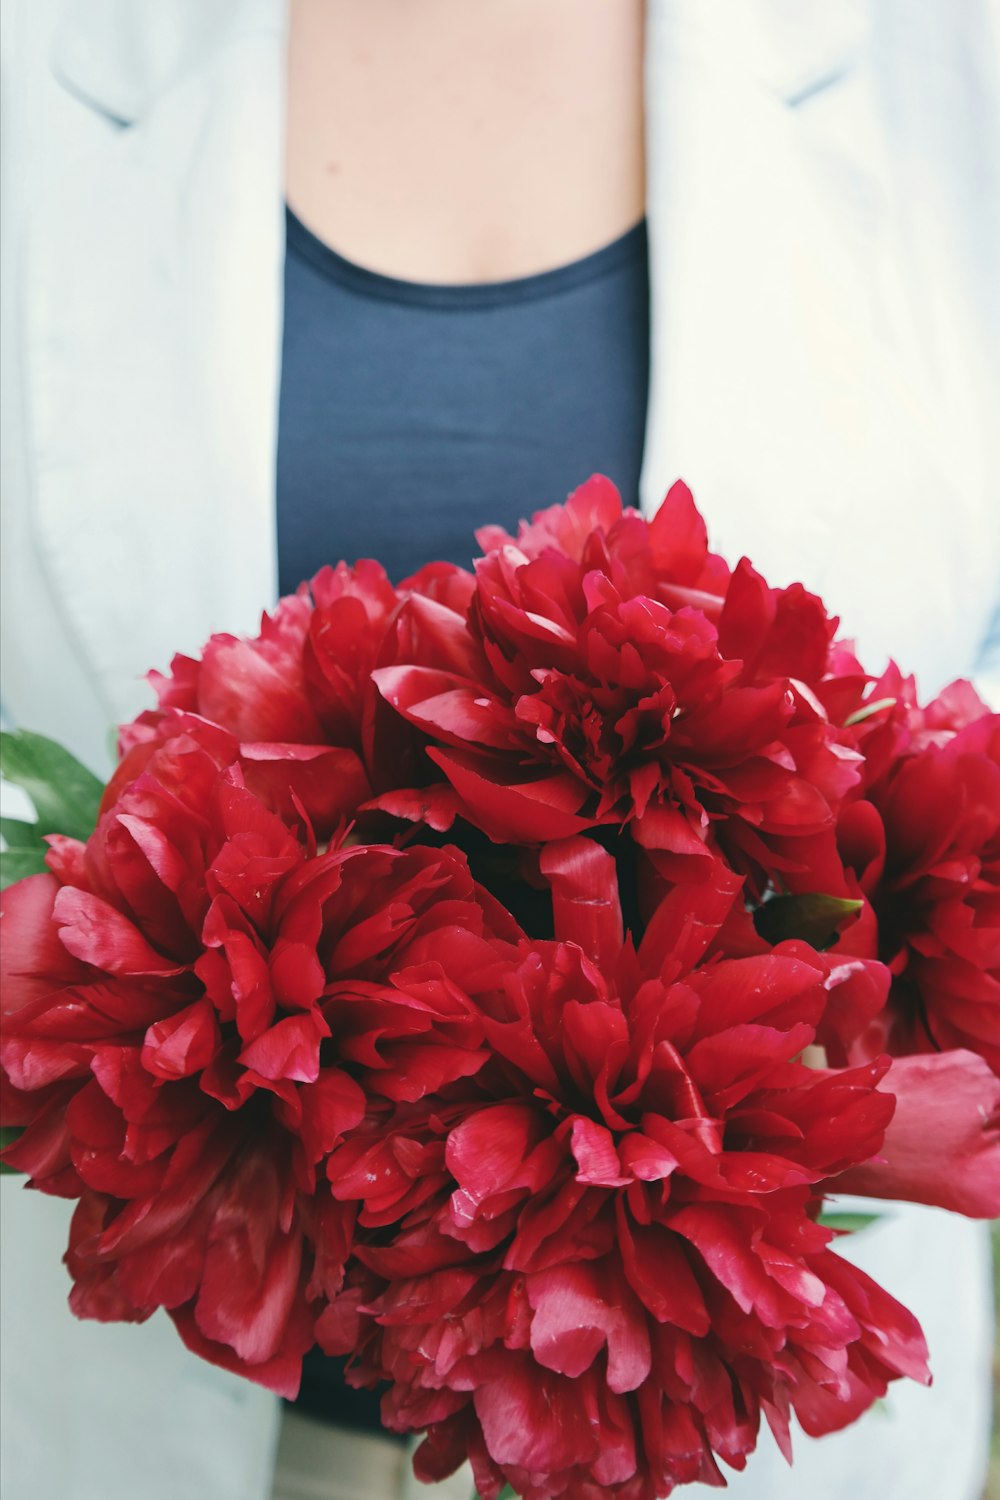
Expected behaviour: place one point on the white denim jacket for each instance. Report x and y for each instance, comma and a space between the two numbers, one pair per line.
822, 202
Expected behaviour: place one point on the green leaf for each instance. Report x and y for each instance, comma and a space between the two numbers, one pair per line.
16, 864
65, 794
20, 834
8, 1135
507, 1493
848, 1223
816, 919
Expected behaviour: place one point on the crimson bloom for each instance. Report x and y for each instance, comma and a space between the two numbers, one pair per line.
922, 837
298, 698
594, 1264
621, 674
562, 1195
197, 1007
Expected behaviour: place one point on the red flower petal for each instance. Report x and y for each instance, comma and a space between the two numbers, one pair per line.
184, 1043
584, 885
580, 1309
530, 812
942, 1145
97, 934
289, 1049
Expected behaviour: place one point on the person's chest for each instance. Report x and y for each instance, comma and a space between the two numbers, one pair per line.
448, 142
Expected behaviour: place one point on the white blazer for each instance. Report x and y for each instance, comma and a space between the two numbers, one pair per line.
823, 190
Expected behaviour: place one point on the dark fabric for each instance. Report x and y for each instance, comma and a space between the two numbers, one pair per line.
411, 414
326, 1396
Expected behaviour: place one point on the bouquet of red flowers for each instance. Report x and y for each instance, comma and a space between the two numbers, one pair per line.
490, 977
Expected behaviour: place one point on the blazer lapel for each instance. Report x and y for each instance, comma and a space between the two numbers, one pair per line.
119, 56
784, 384
152, 328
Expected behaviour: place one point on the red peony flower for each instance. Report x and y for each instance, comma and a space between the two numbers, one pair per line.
562, 1195
922, 837
297, 699
196, 1008
622, 675
594, 1265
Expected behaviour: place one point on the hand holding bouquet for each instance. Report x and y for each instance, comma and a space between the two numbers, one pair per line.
490, 977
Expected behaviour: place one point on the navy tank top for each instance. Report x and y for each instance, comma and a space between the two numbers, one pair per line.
410, 414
